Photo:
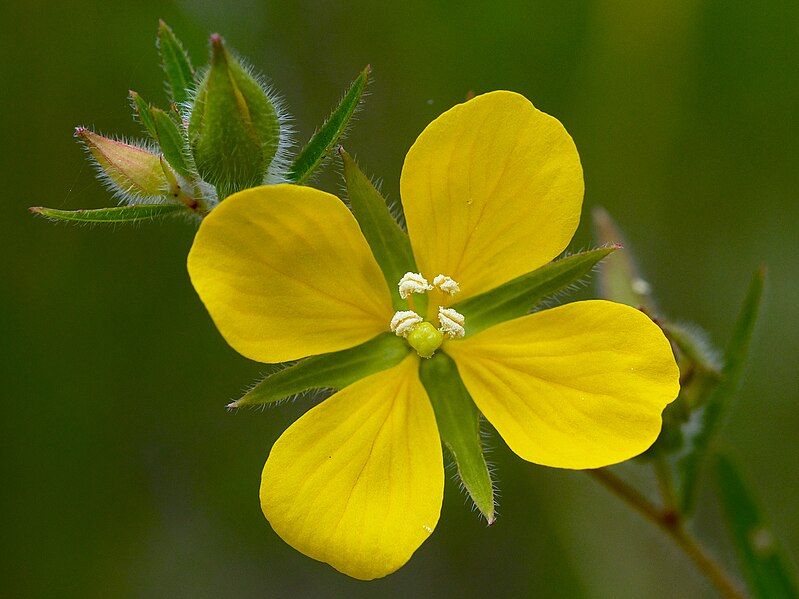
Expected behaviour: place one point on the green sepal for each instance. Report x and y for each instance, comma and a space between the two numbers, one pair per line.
389, 243
458, 422
704, 423
324, 140
234, 129
117, 214
765, 568
142, 111
694, 346
619, 279
335, 370
176, 64
518, 296
172, 141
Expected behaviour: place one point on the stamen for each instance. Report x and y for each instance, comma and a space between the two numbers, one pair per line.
446, 284
403, 322
413, 282
451, 322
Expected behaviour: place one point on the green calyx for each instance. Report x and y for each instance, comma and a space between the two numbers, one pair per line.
425, 339
234, 128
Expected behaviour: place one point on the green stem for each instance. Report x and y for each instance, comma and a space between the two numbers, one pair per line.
669, 522
665, 484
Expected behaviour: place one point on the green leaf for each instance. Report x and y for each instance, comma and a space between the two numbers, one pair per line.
176, 64
171, 140
234, 128
142, 111
334, 370
458, 422
518, 296
117, 214
705, 421
619, 279
388, 242
321, 144
764, 567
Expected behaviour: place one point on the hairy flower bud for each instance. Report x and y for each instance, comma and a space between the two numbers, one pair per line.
127, 169
235, 129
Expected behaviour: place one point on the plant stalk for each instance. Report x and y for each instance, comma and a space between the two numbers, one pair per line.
670, 522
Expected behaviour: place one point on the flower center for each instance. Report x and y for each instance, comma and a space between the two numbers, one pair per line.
422, 336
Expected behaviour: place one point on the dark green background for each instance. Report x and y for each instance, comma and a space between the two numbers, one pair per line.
123, 475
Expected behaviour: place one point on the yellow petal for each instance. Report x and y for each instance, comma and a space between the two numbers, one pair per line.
578, 386
491, 189
357, 481
286, 273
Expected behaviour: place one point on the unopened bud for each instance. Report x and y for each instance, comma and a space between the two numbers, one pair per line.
234, 128
128, 169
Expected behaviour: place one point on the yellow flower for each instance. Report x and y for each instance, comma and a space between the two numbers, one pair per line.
492, 189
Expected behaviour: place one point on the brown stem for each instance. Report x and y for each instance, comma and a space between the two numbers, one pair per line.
669, 521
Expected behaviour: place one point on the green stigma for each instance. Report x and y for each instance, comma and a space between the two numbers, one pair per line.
425, 339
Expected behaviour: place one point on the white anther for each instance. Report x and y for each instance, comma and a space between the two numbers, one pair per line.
413, 282
446, 284
451, 322
403, 322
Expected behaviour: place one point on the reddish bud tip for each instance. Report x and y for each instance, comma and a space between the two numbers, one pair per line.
80, 131
216, 40
35, 209
617, 246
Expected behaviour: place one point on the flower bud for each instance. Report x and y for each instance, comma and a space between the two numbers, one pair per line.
234, 127
126, 168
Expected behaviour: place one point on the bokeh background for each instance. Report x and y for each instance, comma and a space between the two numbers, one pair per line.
122, 474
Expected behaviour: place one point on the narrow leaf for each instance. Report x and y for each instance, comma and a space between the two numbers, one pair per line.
176, 64
764, 567
388, 242
334, 370
171, 141
705, 421
458, 422
518, 296
142, 111
323, 141
619, 279
117, 214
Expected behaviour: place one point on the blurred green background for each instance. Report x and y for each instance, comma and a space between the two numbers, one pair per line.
122, 474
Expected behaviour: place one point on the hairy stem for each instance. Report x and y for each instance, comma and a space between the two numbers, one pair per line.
669, 521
